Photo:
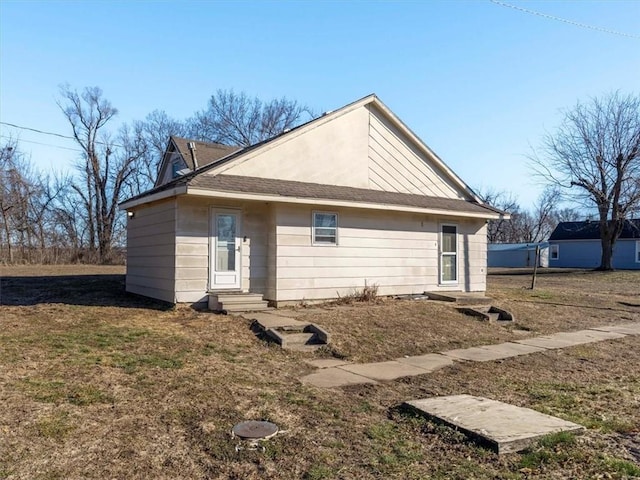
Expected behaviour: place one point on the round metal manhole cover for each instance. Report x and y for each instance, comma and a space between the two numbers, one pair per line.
255, 430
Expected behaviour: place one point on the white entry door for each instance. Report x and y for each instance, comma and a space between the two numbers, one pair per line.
225, 249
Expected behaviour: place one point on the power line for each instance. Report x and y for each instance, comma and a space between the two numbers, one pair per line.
564, 20
40, 143
42, 132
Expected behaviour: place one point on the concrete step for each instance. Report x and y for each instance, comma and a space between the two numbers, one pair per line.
237, 302
230, 298
298, 338
245, 307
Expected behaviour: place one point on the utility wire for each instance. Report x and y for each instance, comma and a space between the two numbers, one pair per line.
20, 140
564, 20
42, 132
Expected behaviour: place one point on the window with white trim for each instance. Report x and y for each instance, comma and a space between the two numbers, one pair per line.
448, 254
554, 252
637, 251
325, 228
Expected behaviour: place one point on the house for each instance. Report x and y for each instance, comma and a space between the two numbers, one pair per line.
577, 245
513, 255
349, 199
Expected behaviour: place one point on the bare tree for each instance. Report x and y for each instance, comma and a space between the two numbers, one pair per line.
525, 226
107, 164
595, 156
237, 119
501, 230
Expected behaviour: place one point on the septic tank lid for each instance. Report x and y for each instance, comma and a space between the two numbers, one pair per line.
254, 430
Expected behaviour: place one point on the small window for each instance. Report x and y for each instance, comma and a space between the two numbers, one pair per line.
554, 252
175, 168
637, 251
325, 228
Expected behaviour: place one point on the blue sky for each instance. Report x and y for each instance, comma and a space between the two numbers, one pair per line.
480, 83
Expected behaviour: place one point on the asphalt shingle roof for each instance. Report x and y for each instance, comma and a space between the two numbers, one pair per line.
590, 230
290, 189
206, 152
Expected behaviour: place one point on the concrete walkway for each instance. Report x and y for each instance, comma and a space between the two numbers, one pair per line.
336, 373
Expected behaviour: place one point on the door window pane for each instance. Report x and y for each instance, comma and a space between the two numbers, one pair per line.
225, 243
449, 268
449, 239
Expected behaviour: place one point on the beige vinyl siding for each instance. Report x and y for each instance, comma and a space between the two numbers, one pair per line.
396, 165
333, 153
193, 246
150, 251
398, 252
361, 149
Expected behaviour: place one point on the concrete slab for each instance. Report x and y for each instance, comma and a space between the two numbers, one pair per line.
475, 354
626, 328
430, 362
384, 370
460, 298
549, 342
510, 349
326, 362
290, 313
270, 320
504, 427
334, 377
589, 336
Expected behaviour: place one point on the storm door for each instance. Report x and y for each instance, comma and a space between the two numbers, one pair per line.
225, 249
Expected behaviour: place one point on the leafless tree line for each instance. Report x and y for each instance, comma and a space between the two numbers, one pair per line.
527, 225
62, 218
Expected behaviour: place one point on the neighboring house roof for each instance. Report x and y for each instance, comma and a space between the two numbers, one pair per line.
590, 230
197, 182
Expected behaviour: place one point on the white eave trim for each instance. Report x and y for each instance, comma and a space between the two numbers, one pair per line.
154, 197
258, 197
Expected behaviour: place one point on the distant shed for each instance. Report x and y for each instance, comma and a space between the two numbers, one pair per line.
514, 255
577, 245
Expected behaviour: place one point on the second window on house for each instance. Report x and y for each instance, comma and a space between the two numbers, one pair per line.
325, 228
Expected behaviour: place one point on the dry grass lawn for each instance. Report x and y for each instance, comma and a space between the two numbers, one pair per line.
96, 383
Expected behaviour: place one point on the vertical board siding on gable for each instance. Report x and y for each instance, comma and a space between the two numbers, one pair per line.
395, 166
396, 251
150, 251
192, 247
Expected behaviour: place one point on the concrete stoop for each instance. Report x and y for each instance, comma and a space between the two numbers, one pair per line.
289, 333
460, 298
235, 302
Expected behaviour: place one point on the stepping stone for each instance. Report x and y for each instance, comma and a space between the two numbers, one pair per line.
326, 362
626, 328
384, 370
334, 377
504, 427
429, 362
